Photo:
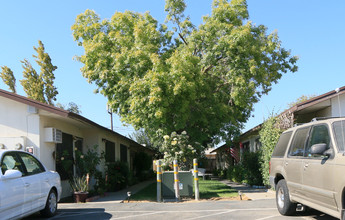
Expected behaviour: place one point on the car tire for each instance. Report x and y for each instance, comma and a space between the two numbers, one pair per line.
284, 204
51, 205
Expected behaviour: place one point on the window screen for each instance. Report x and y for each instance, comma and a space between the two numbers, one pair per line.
123, 153
109, 151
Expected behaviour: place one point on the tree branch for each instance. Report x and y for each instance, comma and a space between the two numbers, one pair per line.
179, 34
211, 66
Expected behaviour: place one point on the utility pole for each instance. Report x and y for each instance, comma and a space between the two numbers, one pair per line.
111, 116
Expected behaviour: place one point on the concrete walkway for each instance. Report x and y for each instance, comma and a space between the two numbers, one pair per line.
120, 196
251, 192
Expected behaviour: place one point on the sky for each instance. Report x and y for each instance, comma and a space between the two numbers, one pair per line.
312, 30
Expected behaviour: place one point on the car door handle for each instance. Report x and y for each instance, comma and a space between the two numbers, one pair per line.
306, 166
26, 184
46, 180
286, 163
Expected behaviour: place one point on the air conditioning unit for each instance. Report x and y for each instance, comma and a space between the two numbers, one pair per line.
53, 135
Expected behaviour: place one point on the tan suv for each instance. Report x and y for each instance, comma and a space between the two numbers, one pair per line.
308, 167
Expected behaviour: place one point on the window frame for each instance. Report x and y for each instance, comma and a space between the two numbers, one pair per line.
40, 165
310, 139
304, 145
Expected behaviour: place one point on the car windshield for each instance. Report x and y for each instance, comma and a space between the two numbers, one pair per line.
339, 130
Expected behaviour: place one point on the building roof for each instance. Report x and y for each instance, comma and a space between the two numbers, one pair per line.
61, 112
314, 104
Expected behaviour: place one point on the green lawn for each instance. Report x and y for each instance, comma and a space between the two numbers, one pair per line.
207, 188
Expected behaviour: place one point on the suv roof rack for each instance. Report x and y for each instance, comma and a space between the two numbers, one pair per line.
325, 118
298, 124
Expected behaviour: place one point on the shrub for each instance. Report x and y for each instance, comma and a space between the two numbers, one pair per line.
118, 175
269, 136
251, 168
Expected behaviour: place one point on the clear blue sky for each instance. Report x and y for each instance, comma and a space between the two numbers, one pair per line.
313, 30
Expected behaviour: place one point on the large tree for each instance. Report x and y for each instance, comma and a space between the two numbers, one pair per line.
40, 86
203, 80
8, 78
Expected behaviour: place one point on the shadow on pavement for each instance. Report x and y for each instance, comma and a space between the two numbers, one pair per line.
75, 214
314, 214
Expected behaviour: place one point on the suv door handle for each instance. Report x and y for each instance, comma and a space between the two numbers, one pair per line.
27, 184
306, 166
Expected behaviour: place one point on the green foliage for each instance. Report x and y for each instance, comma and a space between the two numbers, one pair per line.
207, 188
118, 174
203, 80
301, 99
71, 107
251, 168
214, 189
235, 173
32, 83
141, 137
179, 147
40, 86
8, 78
248, 171
269, 136
87, 163
79, 184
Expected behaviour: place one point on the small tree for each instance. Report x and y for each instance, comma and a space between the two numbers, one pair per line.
8, 78
71, 107
269, 136
32, 83
40, 86
178, 147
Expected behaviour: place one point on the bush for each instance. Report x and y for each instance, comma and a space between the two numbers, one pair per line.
251, 168
269, 136
235, 173
118, 176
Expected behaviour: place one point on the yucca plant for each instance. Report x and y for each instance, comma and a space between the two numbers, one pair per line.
79, 184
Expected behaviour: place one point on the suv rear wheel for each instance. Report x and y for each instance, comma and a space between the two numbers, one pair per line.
284, 205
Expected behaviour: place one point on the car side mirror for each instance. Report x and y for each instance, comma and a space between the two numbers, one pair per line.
328, 152
11, 174
318, 148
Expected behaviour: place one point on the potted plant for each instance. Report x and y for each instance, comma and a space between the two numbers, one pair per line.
80, 186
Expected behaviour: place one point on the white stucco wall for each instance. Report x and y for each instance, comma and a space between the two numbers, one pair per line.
338, 110
16, 123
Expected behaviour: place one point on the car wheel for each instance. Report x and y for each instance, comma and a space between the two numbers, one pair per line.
51, 205
284, 204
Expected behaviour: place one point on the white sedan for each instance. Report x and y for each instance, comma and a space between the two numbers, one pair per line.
26, 186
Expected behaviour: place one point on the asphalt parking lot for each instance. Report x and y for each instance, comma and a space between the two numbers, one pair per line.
264, 209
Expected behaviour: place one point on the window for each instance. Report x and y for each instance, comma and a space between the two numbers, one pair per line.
109, 152
32, 165
298, 142
282, 144
11, 162
64, 157
319, 135
123, 153
339, 130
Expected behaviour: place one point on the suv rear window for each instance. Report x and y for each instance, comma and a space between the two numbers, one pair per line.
339, 130
281, 146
